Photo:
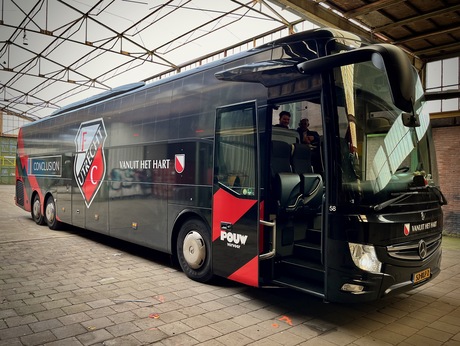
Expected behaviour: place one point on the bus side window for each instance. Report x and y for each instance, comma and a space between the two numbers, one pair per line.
235, 160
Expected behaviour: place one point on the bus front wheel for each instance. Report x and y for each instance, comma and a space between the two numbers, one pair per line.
194, 250
36, 211
50, 213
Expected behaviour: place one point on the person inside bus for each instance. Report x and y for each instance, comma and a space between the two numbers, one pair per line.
307, 136
285, 119
313, 140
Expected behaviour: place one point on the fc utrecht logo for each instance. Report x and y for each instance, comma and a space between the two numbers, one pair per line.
89, 166
179, 163
406, 229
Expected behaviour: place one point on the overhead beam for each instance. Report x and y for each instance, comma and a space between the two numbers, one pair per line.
322, 16
417, 18
453, 48
427, 35
374, 6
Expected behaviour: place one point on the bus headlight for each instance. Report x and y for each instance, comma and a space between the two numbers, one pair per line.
365, 258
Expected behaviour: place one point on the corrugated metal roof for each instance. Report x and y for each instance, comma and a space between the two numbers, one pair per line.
55, 52
427, 29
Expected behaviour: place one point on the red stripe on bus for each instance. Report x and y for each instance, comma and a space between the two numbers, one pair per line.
24, 159
248, 274
228, 208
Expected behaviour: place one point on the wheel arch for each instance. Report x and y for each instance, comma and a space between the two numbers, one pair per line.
45, 198
180, 220
35, 193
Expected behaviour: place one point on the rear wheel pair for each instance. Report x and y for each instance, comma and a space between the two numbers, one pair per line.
49, 217
36, 211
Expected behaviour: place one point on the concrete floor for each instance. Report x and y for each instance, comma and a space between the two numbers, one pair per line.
74, 287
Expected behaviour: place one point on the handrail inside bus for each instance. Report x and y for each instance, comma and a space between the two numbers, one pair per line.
271, 253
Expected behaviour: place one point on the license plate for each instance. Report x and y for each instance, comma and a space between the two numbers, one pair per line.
421, 276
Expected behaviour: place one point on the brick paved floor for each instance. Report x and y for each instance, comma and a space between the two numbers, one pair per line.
74, 287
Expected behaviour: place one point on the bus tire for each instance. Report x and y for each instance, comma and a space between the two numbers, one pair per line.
194, 250
36, 211
50, 214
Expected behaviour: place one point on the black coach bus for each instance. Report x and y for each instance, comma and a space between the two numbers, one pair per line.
192, 165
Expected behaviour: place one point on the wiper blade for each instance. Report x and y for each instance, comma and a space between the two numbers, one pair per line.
391, 201
438, 193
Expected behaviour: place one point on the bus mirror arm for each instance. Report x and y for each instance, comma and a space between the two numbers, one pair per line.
410, 119
272, 252
384, 56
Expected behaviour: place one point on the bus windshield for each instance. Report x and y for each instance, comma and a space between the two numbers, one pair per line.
379, 155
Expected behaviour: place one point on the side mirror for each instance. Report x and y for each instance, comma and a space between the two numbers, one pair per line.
401, 74
410, 120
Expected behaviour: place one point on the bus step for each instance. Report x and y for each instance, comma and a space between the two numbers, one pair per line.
314, 288
302, 269
308, 250
313, 235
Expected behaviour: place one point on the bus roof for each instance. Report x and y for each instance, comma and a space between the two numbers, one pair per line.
319, 34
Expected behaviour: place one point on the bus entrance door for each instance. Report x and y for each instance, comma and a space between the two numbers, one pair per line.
235, 209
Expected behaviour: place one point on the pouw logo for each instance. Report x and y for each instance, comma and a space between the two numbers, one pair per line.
233, 239
89, 167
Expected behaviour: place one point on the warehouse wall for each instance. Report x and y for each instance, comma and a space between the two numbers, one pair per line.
447, 144
7, 160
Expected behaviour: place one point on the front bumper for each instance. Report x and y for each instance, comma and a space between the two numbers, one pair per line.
394, 280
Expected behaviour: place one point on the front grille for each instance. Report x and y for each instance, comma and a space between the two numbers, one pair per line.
19, 193
410, 250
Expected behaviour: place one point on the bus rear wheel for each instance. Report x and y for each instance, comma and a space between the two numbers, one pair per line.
50, 213
36, 211
194, 250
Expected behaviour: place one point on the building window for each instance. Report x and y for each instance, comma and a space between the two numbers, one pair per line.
443, 75
11, 124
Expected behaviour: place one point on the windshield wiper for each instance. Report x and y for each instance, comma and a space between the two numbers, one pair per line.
391, 201
438, 193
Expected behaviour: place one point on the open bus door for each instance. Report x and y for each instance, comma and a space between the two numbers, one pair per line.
294, 197
236, 194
